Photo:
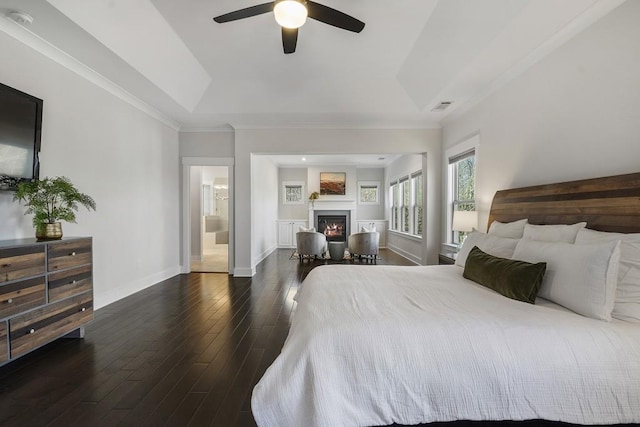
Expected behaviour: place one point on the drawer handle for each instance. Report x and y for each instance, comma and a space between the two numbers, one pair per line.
83, 309
6, 265
72, 254
10, 300
73, 282
32, 331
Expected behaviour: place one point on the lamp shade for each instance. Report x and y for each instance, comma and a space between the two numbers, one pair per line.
290, 13
464, 220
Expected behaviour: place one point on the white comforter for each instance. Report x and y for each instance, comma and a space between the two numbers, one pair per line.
377, 345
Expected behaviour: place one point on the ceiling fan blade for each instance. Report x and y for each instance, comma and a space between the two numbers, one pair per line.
334, 17
289, 39
245, 13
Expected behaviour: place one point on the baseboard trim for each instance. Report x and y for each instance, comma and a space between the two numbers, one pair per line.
408, 255
244, 272
265, 254
112, 295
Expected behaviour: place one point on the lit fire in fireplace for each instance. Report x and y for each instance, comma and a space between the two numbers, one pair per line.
333, 230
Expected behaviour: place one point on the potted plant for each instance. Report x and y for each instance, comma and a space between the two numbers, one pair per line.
51, 200
313, 197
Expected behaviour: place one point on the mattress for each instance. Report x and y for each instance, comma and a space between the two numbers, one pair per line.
377, 345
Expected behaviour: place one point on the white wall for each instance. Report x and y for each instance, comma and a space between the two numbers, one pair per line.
574, 115
264, 212
327, 141
207, 144
126, 160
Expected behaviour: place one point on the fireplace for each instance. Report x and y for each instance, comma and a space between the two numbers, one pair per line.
334, 225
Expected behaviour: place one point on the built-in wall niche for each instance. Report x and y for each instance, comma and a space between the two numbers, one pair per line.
368, 192
293, 193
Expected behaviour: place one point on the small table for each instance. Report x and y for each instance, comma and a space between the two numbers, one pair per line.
336, 250
447, 258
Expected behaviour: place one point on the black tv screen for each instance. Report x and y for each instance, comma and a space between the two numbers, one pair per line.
20, 130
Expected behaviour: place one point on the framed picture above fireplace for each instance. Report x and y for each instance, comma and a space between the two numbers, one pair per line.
333, 183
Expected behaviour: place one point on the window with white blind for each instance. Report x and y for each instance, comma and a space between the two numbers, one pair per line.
394, 196
406, 204
462, 184
417, 199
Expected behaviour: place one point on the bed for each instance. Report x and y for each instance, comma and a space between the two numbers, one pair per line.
378, 345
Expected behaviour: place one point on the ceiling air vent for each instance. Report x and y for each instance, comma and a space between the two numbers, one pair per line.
441, 106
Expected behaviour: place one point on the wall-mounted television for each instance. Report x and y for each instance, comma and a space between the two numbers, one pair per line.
20, 133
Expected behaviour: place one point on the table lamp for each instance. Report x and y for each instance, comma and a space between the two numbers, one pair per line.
464, 221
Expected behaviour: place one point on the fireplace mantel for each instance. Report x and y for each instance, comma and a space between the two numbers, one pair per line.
333, 205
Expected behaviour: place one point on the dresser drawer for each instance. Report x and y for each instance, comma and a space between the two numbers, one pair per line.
4, 342
21, 296
70, 282
69, 254
38, 327
17, 263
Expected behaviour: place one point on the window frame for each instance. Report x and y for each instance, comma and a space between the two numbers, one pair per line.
405, 205
417, 206
461, 151
394, 191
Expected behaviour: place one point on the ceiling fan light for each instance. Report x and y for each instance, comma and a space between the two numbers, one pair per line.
290, 13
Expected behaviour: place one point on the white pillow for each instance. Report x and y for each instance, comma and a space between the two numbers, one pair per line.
368, 229
581, 278
553, 233
627, 305
307, 229
511, 230
493, 245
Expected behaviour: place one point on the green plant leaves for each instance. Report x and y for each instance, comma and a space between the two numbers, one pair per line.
52, 199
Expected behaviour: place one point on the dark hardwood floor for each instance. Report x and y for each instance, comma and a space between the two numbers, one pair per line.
186, 351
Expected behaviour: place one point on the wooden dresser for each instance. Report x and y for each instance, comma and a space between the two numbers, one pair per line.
46, 292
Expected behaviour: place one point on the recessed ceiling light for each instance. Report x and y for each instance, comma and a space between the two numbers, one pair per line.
304, 159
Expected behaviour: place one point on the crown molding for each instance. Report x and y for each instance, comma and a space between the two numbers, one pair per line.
62, 58
338, 127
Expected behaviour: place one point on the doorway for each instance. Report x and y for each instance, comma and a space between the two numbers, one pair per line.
208, 217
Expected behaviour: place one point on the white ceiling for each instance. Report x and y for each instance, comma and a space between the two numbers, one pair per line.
411, 55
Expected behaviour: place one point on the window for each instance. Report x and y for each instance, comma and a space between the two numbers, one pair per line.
368, 193
416, 185
406, 196
405, 204
394, 197
462, 183
292, 192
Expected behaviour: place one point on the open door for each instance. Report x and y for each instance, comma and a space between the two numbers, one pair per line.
209, 197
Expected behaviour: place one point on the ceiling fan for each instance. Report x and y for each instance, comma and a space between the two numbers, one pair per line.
292, 14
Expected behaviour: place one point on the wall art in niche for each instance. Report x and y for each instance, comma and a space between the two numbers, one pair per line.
333, 183
293, 192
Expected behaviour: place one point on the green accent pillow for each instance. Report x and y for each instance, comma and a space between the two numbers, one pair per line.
514, 279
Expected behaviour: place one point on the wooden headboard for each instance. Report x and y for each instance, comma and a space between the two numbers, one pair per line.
606, 204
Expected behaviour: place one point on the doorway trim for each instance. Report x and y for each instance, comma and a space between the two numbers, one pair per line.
187, 162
